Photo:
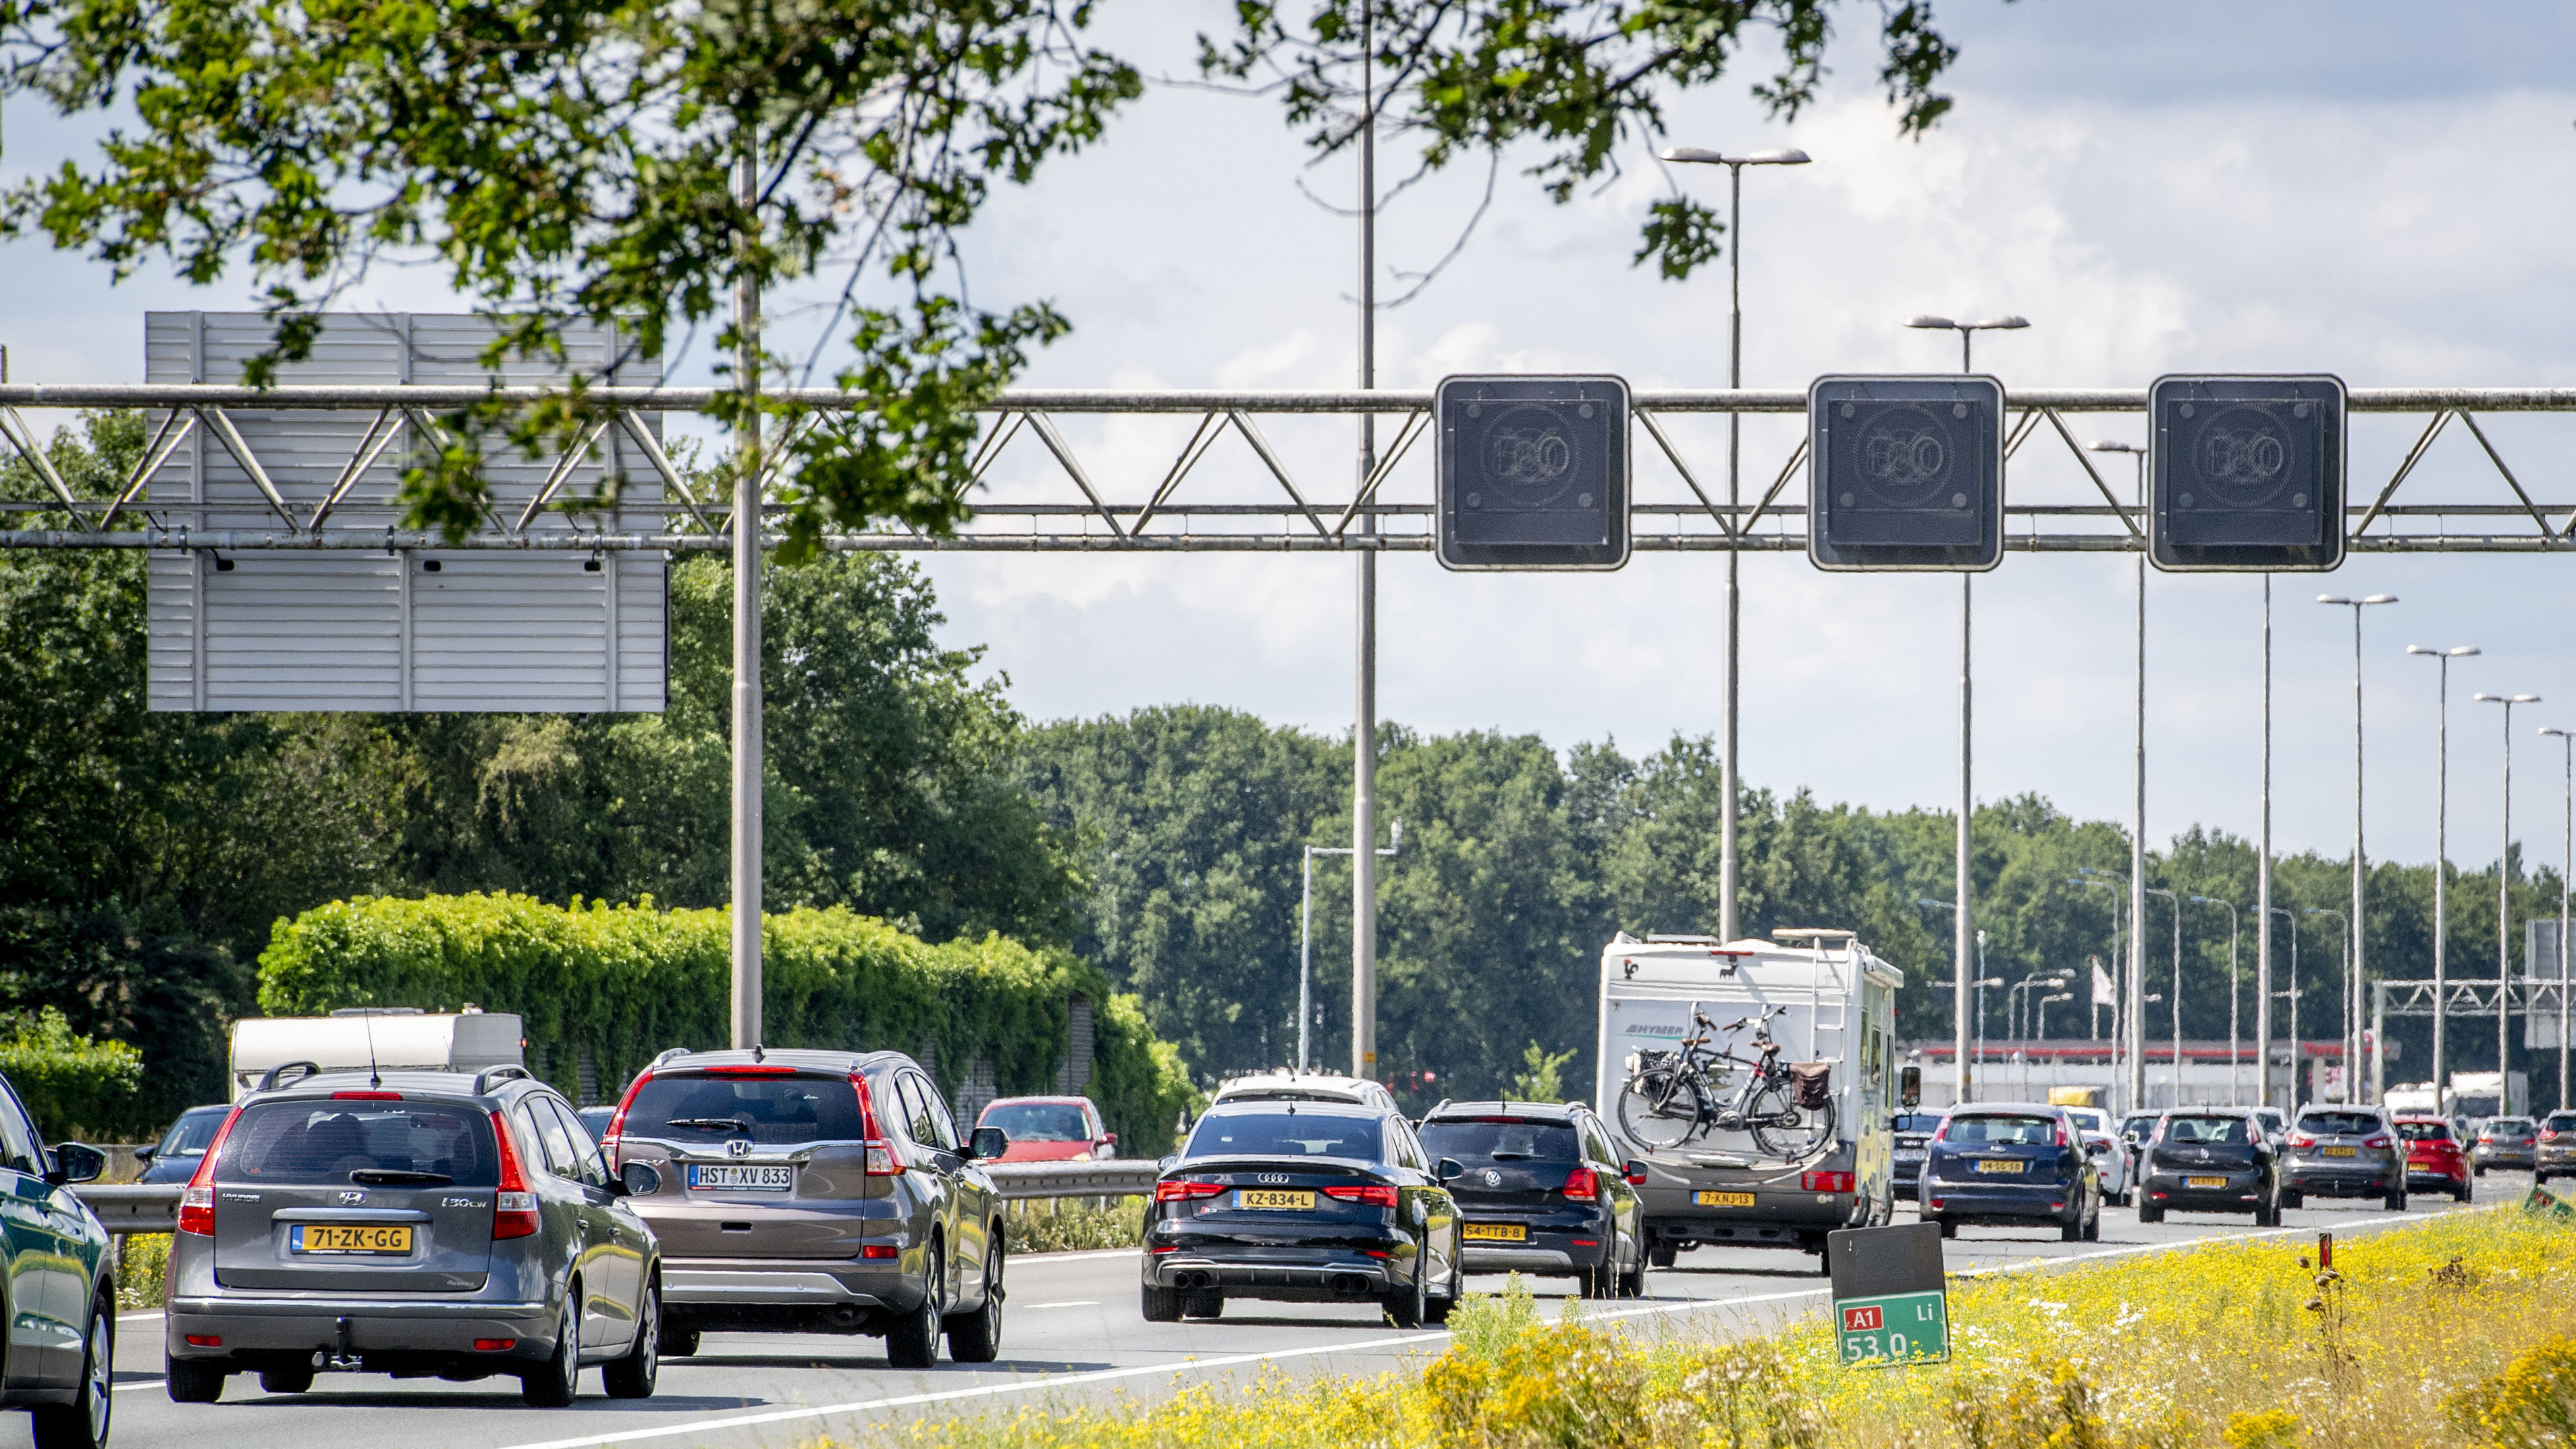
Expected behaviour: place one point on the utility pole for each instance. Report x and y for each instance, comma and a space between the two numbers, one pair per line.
2263, 893
1364, 722
747, 731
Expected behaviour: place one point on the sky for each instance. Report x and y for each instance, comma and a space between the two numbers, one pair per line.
2381, 191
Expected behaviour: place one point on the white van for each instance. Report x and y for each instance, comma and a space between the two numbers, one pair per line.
1832, 1002
382, 1037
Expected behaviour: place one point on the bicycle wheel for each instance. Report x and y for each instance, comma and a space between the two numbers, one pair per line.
1781, 1128
1660, 1107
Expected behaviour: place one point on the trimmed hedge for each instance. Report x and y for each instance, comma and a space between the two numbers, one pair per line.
627, 982
77, 1087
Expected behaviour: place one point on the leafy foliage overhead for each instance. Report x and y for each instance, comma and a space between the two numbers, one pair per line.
577, 158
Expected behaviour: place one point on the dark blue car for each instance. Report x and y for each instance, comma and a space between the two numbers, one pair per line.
175, 1157
2011, 1164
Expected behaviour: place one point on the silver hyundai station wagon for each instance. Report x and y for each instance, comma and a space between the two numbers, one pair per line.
817, 1192
412, 1224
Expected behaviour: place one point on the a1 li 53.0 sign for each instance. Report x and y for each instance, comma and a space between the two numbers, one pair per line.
1891, 1305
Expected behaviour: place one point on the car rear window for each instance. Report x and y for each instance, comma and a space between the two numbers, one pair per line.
313, 1143
192, 1133
1492, 1140
1039, 1122
1917, 1122
1285, 1134
2424, 1131
2562, 1121
772, 1111
2341, 1124
1998, 1130
2508, 1127
2226, 1131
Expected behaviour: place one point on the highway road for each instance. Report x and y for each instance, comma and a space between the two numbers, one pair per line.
1072, 1332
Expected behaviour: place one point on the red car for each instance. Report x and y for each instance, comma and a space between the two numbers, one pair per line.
2435, 1159
1050, 1129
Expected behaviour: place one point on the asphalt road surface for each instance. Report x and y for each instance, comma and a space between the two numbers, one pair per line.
1072, 1333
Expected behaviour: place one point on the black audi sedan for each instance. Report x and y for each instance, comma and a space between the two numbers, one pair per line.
1544, 1193
2011, 1164
2210, 1160
1302, 1202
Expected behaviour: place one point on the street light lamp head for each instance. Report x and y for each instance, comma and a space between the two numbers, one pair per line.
2332, 599
2381, 599
2563, 734
1693, 153
2112, 445
1926, 319
2008, 322
1780, 156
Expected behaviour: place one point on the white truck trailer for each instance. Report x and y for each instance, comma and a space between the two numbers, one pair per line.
388, 1037
1720, 1187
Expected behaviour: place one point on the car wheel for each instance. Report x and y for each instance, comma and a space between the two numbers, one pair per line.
83, 1423
553, 1384
632, 1377
2093, 1225
2483, 1172
2462, 1193
298, 1380
2396, 1201
2148, 1213
1203, 1303
1949, 1229
977, 1337
679, 1340
192, 1381
913, 1342
1662, 1253
1161, 1305
1410, 1306
2294, 1199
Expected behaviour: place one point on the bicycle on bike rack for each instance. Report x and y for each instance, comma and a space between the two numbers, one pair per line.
1672, 1097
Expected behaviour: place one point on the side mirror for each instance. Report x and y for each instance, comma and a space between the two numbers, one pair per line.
1634, 1171
987, 1143
2097, 1145
71, 1162
146, 1154
1164, 1164
1909, 1086
1448, 1169
1109, 1137
639, 1179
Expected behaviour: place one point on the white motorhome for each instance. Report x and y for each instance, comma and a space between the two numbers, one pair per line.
1838, 1006
386, 1037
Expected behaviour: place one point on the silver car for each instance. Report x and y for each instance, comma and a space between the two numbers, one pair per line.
817, 1192
414, 1224
2344, 1151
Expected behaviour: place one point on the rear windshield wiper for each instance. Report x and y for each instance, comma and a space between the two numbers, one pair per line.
1511, 1156
713, 1124
396, 1176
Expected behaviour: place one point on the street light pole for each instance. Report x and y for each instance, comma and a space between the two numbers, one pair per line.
2176, 988
1364, 602
2441, 858
749, 736
1964, 866
2504, 906
2351, 989
2297, 1051
2235, 1082
1305, 937
2128, 1038
2356, 930
2137, 1012
1728, 870
2567, 863
2263, 884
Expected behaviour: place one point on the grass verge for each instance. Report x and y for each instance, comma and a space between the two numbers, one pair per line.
141, 1260
2446, 1332
1062, 1225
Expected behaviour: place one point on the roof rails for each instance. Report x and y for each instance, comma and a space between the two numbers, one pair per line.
1812, 933
666, 1056
1669, 938
485, 1079
274, 1078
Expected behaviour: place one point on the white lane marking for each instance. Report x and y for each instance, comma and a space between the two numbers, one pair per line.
1068, 1303
1030, 1259
145, 1384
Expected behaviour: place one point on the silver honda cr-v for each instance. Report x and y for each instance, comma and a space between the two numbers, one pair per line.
816, 1192
413, 1224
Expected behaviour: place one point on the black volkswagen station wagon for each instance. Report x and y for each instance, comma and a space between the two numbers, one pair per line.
1543, 1193
1302, 1202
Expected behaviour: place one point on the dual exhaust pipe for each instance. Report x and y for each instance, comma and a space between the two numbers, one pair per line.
1351, 1284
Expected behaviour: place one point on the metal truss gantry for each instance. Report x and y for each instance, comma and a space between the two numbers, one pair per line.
1146, 514
2529, 997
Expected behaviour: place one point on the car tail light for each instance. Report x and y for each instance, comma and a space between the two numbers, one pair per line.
881, 1161
2302, 1139
197, 1200
2061, 1132
613, 1141
1938, 1203
1581, 1185
205, 1340
1374, 1194
1826, 1181
514, 1208
2374, 1141
366, 1096
879, 1250
1637, 1176
749, 1072
1184, 1191
495, 1345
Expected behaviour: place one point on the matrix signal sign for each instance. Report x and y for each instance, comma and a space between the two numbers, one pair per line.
2246, 473
1905, 473
1533, 472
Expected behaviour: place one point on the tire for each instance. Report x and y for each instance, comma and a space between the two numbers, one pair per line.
913, 1341
678, 1340
2151, 1214
1408, 1307
1783, 1129
1949, 1229
2396, 1201
2266, 1217
2071, 1230
1632, 1284
1661, 1254
633, 1376
297, 1380
1203, 1303
553, 1384
192, 1381
83, 1423
2462, 1193
977, 1337
2093, 1225
1661, 1107
2483, 1172
2294, 1199
1160, 1305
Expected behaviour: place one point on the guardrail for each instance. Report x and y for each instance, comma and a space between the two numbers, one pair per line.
134, 1208
129, 1207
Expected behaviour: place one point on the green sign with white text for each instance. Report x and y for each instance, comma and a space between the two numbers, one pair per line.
1893, 1329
